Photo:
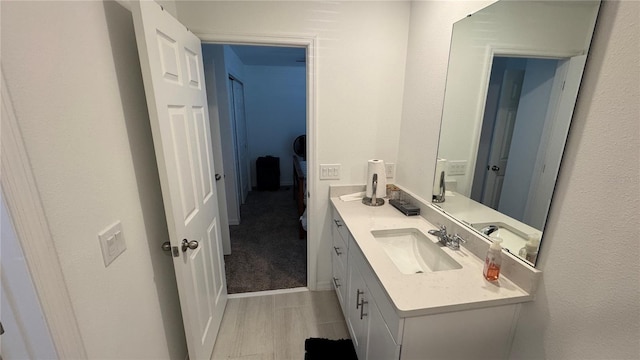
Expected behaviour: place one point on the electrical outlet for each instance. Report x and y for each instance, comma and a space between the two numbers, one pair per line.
329, 171
456, 167
390, 170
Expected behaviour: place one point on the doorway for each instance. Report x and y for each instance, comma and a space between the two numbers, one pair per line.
261, 96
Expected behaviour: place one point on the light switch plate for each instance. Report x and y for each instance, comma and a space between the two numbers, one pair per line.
112, 243
329, 171
456, 167
390, 170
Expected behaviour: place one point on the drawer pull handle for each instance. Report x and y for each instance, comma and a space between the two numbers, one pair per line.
338, 224
362, 313
337, 250
358, 293
335, 282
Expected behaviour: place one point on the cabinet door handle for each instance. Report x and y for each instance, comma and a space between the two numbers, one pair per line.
337, 222
337, 250
335, 282
362, 313
358, 293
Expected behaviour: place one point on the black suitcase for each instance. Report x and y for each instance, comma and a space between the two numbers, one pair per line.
268, 173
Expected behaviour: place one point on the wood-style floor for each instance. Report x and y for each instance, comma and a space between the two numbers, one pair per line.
274, 327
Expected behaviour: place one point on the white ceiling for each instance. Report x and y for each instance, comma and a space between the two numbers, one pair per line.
270, 55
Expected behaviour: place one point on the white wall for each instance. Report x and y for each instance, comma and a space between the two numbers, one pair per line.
360, 66
426, 71
276, 109
587, 303
73, 72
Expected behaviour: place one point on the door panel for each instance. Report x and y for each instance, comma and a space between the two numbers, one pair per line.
171, 62
501, 138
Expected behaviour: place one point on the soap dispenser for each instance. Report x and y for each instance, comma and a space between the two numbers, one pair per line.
493, 261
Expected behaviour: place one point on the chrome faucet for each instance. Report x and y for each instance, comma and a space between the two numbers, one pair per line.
441, 234
439, 198
450, 241
489, 229
374, 188
373, 200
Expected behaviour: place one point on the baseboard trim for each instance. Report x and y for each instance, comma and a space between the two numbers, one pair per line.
323, 285
267, 292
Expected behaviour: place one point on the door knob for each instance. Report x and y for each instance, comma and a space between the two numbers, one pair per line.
495, 168
186, 244
218, 177
166, 246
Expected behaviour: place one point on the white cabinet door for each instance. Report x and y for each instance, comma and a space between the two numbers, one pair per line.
356, 311
381, 345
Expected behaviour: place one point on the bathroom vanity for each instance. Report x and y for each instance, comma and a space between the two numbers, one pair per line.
438, 307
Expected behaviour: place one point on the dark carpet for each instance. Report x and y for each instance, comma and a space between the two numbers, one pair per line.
325, 349
266, 253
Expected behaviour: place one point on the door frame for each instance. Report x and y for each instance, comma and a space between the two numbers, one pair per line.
240, 190
492, 51
308, 42
32, 229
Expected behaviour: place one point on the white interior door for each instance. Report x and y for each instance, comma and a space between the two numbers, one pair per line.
501, 139
172, 69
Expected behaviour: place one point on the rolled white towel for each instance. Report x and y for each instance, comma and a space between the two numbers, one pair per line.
353, 197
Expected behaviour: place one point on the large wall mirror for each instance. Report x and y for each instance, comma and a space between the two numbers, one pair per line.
514, 72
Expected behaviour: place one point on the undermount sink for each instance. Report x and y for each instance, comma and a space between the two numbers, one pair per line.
413, 252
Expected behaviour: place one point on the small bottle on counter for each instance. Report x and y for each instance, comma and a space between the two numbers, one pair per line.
530, 250
493, 261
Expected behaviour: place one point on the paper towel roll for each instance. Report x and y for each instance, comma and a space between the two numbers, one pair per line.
441, 165
376, 167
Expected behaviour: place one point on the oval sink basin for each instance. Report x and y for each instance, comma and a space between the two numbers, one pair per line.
413, 252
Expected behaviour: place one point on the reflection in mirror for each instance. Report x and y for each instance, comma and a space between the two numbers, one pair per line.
514, 72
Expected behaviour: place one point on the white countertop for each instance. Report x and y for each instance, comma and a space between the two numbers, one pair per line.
474, 212
426, 293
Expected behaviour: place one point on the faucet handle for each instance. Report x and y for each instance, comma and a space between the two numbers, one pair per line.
455, 240
459, 238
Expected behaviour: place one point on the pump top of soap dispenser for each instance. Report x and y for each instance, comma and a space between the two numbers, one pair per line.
531, 248
533, 243
496, 244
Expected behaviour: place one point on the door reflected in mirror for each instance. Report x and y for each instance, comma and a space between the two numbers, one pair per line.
512, 83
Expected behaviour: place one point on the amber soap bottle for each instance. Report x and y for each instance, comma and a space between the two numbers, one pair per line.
493, 261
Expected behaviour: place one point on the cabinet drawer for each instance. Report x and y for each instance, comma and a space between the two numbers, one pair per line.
338, 227
387, 310
339, 278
